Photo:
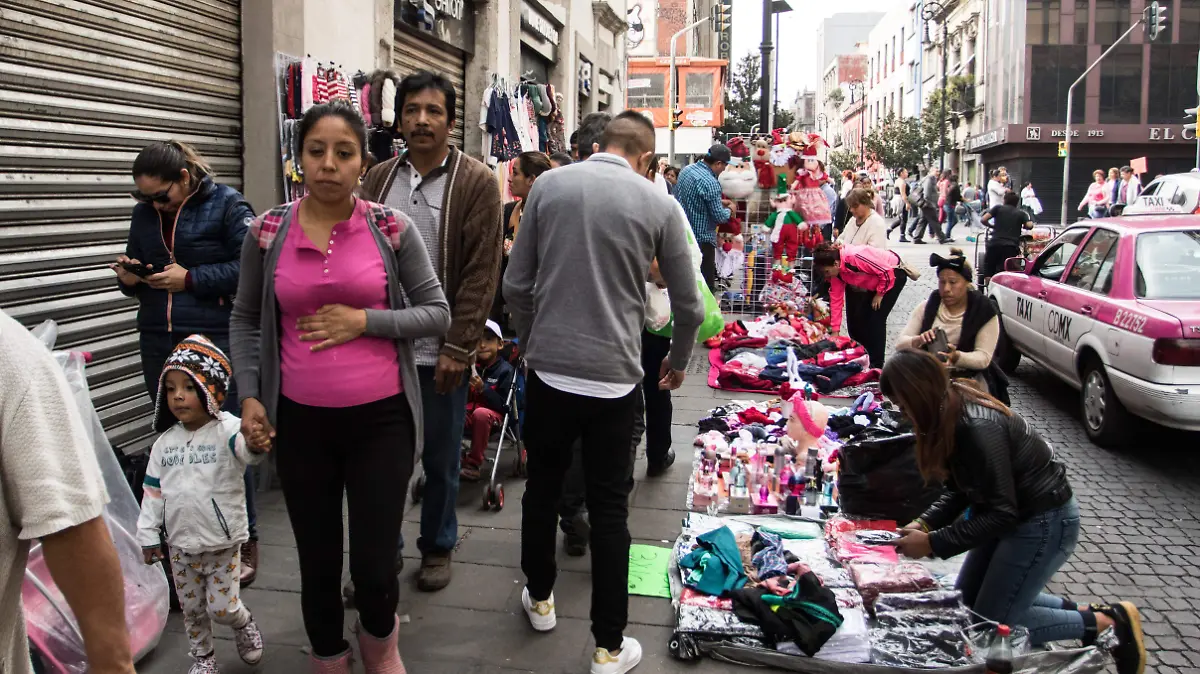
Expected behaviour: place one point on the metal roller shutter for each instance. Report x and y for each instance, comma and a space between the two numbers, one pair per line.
413, 53
84, 85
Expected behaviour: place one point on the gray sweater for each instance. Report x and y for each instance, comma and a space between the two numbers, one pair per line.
576, 278
254, 325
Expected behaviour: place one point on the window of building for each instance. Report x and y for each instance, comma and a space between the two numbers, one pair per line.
1055, 67
901, 45
894, 52
884, 66
1121, 85
1042, 19
1172, 81
699, 90
1189, 22
647, 90
1081, 21
1112, 19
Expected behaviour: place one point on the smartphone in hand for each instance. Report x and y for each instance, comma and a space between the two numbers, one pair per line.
139, 270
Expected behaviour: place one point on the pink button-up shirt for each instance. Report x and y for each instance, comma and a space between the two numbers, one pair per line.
864, 267
350, 271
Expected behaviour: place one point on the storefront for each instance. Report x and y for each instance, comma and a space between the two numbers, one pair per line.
83, 89
540, 37
1030, 154
438, 36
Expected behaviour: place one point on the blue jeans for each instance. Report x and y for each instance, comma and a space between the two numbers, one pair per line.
444, 419
155, 348
1003, 579
951, 218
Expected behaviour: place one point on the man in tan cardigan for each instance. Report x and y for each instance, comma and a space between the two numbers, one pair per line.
455, 203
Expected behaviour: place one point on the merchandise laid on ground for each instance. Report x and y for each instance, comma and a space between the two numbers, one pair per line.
789, 351
788, 559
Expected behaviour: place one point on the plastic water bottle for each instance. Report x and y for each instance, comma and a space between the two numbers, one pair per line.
999, 658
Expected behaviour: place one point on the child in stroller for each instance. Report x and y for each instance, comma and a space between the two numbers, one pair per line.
488, 402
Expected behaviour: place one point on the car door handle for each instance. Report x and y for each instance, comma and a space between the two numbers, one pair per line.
1087, 310
1042, 294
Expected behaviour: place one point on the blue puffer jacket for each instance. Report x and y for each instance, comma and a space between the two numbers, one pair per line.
208, 234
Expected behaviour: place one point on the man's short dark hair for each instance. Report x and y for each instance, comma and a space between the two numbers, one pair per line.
995, 172
590, 130
561, 158
629, 132
1126, 169
420, 81
1011, 198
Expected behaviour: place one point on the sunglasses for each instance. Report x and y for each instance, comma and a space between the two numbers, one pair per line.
163, 197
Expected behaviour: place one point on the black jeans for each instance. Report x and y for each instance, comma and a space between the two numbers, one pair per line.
366, 452
554, 421
994, 256
871, 324
708, 264
658, 402
573, 503
155, 348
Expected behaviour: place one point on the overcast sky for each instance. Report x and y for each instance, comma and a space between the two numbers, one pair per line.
798, 67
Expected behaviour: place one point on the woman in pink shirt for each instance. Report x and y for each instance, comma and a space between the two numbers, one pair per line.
874, 281
333, 290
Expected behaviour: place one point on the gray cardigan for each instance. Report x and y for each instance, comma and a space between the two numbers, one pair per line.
254, 325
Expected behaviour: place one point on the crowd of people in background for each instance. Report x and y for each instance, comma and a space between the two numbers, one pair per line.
1110, 192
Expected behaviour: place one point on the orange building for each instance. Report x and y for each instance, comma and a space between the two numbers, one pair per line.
701, 98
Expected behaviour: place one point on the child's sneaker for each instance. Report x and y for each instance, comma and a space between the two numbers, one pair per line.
249, 643
604, 662
541, 613
205, 665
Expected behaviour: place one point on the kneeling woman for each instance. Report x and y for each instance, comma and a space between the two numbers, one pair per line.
874, 279
969, 321
1023, 520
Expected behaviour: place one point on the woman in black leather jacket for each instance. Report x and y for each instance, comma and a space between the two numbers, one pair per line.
1008, 505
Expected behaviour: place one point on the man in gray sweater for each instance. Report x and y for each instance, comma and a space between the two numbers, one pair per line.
576, 287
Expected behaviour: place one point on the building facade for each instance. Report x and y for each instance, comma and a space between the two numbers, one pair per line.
1129, 106
804, 111
652, 23
835, 94
893, 49
841, 33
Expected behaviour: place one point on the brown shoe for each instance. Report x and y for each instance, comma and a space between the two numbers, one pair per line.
249, 562
435, 572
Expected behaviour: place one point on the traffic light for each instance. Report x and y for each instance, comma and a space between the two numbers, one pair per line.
1062, 148
1156, 19
1191, 112
722, 15
676, 122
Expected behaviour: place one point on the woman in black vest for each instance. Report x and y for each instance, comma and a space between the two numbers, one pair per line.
969, 321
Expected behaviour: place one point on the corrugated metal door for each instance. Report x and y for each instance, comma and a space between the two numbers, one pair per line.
84, 85
413, 53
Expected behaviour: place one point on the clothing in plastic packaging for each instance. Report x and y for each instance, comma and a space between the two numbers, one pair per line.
53, 629
873, 580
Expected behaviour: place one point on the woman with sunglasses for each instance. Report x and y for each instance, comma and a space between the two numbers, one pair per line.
181, 263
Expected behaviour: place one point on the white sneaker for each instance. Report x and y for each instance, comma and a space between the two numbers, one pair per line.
541, 614
604, 662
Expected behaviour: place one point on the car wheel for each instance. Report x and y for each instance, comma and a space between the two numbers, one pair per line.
1006, 354
1105, 419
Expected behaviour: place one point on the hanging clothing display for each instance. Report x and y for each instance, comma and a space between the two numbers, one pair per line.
522, 118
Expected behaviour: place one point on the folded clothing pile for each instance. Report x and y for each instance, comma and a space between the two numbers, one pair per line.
873, 580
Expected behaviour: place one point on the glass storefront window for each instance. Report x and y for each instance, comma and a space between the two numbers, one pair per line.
1172, 81
1055, 67
1121, 85
647, 90
699, 88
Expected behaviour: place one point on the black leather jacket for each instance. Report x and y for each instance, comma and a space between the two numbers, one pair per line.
1003, 471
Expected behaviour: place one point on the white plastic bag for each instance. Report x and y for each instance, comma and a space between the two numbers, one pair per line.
658, 308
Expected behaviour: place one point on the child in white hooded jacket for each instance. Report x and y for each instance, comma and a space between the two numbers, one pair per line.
194, 486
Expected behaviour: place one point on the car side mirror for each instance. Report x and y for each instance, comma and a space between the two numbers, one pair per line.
1016, 264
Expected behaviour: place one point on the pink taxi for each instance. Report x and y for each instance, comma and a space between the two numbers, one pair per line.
1112, 307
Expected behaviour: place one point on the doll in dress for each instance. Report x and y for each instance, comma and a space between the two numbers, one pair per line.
806, 188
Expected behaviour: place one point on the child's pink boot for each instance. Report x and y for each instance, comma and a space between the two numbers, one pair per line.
338, 664
380, 656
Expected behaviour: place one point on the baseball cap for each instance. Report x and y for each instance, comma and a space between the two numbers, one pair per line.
719, 152
494, 328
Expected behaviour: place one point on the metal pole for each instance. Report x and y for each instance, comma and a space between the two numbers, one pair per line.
942, 126
1067, 129
672, 95
764, 118
775, 67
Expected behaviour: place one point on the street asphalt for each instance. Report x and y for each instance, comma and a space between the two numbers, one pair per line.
1139, 504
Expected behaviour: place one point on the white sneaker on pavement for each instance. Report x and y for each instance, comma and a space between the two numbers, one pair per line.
604, 662
541, 613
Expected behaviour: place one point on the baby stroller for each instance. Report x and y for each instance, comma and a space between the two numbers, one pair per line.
509, 433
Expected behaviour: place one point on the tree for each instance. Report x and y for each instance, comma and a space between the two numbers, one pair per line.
743, 99
841, 160
897, 143
960, 101
836, 98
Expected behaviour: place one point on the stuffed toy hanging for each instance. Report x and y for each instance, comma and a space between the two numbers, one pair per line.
762, 164
810, 200
784, 223
737, 147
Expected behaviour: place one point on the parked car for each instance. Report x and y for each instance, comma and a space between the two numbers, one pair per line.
1112, 307
1175, 193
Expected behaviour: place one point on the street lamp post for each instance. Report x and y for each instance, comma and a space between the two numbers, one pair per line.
931, 10
770, 7
860, 87
673, 95
823, 122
